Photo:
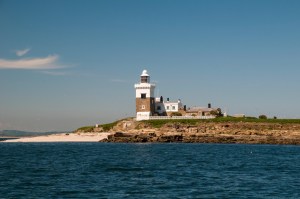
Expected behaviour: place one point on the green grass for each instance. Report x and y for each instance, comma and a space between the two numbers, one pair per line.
107, 127
160, 123
86, 128
251, 119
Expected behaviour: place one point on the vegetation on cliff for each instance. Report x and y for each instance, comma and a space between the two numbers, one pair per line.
192, 122
160, 123
85, 129
219, 130
225, 130
105, 127
109, 126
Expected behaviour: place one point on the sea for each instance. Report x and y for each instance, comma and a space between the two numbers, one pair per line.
172, 170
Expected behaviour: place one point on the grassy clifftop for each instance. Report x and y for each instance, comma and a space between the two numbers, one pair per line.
161, 123
104, 127
218, 130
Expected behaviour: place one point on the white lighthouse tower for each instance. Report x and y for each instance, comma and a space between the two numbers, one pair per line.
144, 95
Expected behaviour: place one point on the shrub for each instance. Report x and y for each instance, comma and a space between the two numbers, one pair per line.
263, 117
217, 112
251, 118
214, 112
176, 114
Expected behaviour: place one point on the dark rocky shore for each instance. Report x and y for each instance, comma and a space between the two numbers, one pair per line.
152, 137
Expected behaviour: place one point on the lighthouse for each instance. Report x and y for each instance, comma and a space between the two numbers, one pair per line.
144, 97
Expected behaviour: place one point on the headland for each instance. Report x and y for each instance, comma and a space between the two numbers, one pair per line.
218, 130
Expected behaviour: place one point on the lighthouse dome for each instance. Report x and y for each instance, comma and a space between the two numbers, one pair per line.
145, 73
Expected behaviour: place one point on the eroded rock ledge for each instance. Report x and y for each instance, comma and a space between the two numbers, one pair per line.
211, 132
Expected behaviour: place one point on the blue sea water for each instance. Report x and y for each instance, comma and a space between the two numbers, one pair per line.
110, 170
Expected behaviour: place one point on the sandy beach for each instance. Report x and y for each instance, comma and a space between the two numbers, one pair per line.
72, 137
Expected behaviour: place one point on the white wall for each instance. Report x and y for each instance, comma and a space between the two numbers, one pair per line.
144, 88
164, 105
142, 116
169, 106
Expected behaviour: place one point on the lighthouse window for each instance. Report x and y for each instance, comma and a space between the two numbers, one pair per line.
143, 95
144, 79
143, 106
167, 107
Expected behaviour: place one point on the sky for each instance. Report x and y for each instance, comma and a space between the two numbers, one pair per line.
71, 63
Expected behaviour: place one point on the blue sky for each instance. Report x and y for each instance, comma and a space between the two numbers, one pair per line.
65, 64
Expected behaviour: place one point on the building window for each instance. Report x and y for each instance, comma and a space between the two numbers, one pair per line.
158, 108
173, 107
143, 95
143, 107
168, 107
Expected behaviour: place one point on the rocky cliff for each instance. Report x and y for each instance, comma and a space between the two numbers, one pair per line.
206, 132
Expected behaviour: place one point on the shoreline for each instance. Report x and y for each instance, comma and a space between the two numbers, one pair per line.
168, 137
191, 131
71, 137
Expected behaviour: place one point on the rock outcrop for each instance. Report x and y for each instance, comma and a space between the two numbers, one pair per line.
208, 132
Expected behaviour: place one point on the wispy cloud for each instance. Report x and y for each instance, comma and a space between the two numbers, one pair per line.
22, 52
50, 62
56, 73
